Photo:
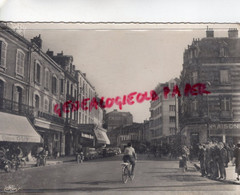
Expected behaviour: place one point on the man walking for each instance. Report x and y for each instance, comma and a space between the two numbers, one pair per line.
236, 159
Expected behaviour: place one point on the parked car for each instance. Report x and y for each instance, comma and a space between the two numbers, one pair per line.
90, 153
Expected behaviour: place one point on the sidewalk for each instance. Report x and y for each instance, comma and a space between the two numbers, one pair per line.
50, 161
230, 172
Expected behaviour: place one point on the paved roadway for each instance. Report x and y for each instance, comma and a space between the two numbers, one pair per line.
103, 176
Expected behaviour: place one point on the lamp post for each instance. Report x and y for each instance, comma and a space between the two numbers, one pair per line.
208, 116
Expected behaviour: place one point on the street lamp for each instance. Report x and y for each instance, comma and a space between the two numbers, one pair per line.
208, 116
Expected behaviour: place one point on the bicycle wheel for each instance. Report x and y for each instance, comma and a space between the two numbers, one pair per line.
125, 174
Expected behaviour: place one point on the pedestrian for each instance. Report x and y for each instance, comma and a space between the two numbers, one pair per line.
236, 159
222, 160
201, 158
216, 156
184, 158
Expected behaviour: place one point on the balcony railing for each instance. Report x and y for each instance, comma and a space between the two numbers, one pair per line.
70, 97
15, 108
51, 117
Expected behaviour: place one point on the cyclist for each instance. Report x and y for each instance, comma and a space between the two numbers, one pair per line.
130, 155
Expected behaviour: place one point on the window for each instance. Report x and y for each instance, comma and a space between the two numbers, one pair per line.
222, 52
194, 105
3, 53
171, 107
225, 104
194, 77
46, 105
224, 76
71, 89
37, 101
172, 130
54, 85
172, 119
61, 86
20, 62
46, 78
38, 73
56, 137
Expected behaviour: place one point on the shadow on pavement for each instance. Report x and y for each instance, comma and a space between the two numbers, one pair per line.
124, 187
96, 182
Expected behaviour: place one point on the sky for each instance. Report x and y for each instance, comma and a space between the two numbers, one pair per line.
122, 58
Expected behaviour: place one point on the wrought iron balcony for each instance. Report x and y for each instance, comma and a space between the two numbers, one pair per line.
50, 117
15, 108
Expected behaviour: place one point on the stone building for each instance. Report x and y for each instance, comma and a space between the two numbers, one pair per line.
129, 133
116, 119
163, 122
215, 62
90, 120
45, 92
67, 88
35, 84
16, 108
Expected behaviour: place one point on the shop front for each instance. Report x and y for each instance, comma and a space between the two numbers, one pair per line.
101, 136
17, 130
53, 137
227, 132
92, 136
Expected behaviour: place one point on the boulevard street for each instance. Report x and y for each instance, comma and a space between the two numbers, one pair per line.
104, 176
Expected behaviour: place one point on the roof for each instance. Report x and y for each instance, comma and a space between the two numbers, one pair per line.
210, 47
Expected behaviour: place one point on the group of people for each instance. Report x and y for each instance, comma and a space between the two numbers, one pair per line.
214, 158
10, 152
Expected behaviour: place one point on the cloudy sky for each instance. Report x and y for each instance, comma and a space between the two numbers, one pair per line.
122, 58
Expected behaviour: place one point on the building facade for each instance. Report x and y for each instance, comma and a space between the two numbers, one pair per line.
163, 122
214, 62
116, 119
33, 83
129, 133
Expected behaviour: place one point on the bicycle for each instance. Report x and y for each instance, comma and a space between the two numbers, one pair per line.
126, 172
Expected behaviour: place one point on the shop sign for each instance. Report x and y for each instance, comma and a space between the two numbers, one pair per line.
224, 126
18, 138
87, 136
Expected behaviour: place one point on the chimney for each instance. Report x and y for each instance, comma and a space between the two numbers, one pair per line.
209, 32
60, 54
37, 40
233, 33
50, 53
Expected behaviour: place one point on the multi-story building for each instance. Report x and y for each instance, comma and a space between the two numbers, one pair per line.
116, 119
129, 133
16, 108
67, 87
90, 120
214, 62
164, 114
45, 91
33, 83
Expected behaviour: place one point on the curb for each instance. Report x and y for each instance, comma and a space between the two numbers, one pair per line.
48, 164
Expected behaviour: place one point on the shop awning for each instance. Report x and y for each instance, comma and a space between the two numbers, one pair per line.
15, 128
101, 136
